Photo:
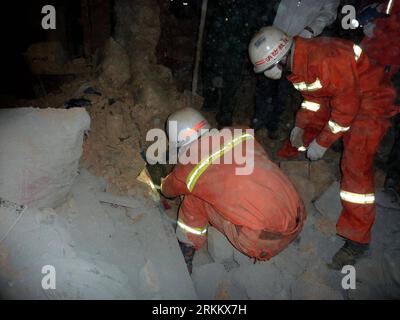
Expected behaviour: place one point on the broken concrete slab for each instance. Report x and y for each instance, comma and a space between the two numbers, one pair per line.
119, 200
296, 168
329, 204
322, 175
262, 281
40, 152
241, 258
310, 287
304, 187
201, 258
207, 280
220, 249
98, 252
291, 261
228, 290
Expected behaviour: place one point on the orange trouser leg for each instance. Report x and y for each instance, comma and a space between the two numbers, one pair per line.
192, 220
360, 146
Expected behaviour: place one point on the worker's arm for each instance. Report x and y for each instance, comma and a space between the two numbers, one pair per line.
326, 17
345, 100
311, 108
172, 186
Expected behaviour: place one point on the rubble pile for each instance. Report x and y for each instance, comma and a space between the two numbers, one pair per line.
126, 95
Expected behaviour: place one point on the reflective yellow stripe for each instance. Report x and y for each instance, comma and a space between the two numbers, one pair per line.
389, 7
302, 149
357, 51
357, 198
335, 128
311, 106
302, 86
196, 231
204, 164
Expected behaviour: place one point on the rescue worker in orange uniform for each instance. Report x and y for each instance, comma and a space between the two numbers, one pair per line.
345, 96
258, 210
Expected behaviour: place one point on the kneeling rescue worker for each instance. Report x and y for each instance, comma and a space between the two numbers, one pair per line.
345, 96
260, 212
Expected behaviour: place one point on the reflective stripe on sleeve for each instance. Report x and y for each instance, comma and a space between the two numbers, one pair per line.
311, 106
196, 173
357, 51
368, 198
302, 86
335, 128
196, 231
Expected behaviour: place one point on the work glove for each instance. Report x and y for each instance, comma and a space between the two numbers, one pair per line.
296, 137
315, 151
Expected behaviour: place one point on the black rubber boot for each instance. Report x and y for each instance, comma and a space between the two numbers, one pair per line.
348, 254
188, 252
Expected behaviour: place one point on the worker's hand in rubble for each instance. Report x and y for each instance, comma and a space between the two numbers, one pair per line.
296, 137
315, 151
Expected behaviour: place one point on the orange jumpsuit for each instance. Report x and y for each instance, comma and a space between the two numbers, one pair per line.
345, 96
260, 213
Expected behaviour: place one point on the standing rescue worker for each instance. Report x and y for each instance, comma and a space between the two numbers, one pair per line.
304, 18
344, 96
259, 212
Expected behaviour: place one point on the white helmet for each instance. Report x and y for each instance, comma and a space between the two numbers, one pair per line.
185, 126
269, 46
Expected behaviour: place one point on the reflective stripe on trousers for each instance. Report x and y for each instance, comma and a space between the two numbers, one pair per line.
368, 198
196, 231
336, 128
196, 173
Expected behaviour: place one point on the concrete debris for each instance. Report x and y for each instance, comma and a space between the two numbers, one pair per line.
296, 168
46, 58
50, 58
262, 281
96, 250
220, 249
241, 258
311, 179
207, 280
119, 200
323, 174
305, 188
329, 204
201, 258
115, 67
40, 153
310, 287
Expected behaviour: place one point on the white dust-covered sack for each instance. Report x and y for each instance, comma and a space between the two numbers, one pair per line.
39, 153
